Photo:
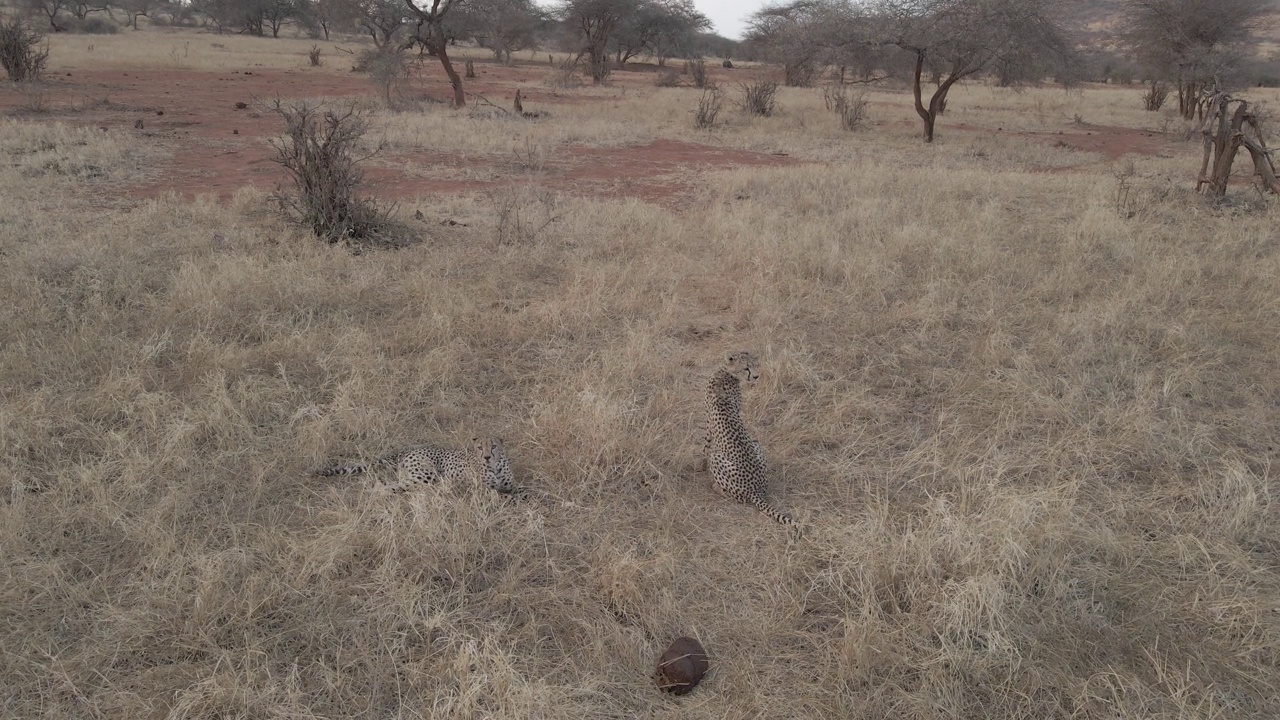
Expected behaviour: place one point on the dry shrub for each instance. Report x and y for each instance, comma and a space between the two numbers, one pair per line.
697, 71
521, 214
564, 74
709, 105
469, 69
667, 78
1154, 96
852, 110
313, 56
387, 67
20, 52
319, 151
759, 98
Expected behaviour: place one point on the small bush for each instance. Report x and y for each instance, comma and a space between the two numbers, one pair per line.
851, 110
313, 56
709, 106
697, 70
1153, 99
759, 98
20, 52
93, 26
667, 78
564, 74
318, 151
469, 69
387, 67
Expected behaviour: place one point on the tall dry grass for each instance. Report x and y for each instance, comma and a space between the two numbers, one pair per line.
1031, 441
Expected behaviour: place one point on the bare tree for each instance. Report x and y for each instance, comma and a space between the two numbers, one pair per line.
962, 38
430, 34
50, 9
804, 36
503, 26
275, 13
328, 14
381, 18
1192, 43
595, 22
657, 27
135, 9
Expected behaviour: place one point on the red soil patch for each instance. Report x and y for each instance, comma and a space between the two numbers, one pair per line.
217, 148
1110, 141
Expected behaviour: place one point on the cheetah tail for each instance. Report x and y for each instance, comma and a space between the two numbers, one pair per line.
345, 470
774, 513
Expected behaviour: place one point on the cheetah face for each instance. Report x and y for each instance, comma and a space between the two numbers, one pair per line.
743, 363
490, 449
493, 453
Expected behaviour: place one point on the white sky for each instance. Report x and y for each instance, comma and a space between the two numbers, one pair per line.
729, 16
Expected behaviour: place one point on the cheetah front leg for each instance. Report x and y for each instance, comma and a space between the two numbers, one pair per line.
722, 474
702, 463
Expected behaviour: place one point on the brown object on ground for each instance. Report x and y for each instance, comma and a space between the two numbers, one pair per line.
241, 105
682, 666
1223, 138
518, 106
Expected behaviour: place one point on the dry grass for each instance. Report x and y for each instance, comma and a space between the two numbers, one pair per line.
1031, 441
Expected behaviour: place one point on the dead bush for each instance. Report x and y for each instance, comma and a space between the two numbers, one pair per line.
1155, 95
387, 67
20, 50
759, 98
852, 110
697, 70
709, 106
521, 214
313, 56
667, 78
469, 69
319, 151
564, 74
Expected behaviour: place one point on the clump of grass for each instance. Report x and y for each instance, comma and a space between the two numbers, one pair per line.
313, 56
319, 150
851, 109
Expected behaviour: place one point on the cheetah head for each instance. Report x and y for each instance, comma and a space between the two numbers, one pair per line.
743, 363
493, 454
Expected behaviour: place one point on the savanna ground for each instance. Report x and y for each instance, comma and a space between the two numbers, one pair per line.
1020, 387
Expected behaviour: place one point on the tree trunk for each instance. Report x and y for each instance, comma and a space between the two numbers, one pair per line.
939, 99
459, 97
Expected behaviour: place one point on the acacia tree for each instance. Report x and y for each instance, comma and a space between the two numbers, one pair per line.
329, 14
961, 38
1191, 42
503, 26
431, 35
595, 22
806, 35
658, 27
381, 19
51, 9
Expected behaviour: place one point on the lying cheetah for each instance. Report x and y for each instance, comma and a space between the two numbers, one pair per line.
485, 460
735, 459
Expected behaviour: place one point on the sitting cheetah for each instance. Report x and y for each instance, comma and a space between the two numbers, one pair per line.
485, 460
735, 459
